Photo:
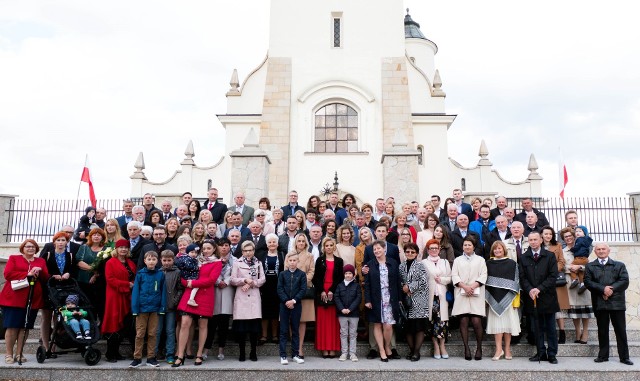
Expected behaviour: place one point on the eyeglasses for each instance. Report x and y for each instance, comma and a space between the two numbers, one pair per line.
409, 251
30, 247
405, 234
434, 248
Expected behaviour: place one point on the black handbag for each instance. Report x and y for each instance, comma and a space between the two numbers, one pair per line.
407, 301
561, 280
310, 293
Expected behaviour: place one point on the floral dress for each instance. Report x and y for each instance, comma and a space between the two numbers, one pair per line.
387, 310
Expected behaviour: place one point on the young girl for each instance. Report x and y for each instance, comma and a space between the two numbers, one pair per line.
189, 267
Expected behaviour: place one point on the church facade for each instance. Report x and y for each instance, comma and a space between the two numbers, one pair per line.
346, 87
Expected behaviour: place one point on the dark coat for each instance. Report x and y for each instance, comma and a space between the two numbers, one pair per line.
292, 285
495, 212
493, 237
261, 246
541, 275
217, 211
321, 270
152, 246
122, 221
522, 217
392, 252
348, 297
373, 290
456, 242
136, 251
283, 241
614, 274
286, 211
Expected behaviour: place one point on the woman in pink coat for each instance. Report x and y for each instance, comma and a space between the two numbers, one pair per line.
247, 276
205, 299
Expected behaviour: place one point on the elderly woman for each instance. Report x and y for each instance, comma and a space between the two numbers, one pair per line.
426, 234
90, 281
401, 223
247, 275
146, 232
550, 243
275, 226
60, 266
503, 285
308, 266
344, 248
13, 301
120, 272
210, 269
382, 297
328, 273
469, 275
415, 286
273, 264
580, 307
439, 277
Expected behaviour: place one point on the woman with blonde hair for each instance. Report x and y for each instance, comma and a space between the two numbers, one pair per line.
112, 229
344, 248
198, 233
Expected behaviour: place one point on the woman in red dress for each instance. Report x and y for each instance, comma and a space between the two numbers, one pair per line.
328, 274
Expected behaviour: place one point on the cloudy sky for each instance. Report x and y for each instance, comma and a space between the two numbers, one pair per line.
111, 79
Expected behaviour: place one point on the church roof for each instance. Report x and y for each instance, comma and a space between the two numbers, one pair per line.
412, 28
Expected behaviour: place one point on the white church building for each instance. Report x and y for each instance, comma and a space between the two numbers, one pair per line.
355, 90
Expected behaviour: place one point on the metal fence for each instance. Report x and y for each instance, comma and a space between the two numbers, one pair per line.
607, 218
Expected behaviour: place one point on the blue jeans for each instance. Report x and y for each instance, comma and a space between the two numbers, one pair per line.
290, 317
167, 323
77, 323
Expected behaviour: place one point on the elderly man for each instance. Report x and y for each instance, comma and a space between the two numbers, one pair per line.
531, 224
216, 208
245, 210
328, 215
501, 203
292, 207
181, 212
166, 210
234, 240
452, 216
499, 233
460, 232
258, 239
136, 241
510, 214
518, 243
315, 241
608, 280
527, 206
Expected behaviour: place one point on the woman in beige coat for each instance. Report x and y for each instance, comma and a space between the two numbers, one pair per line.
247, 275
308, 266
439, 277
469, 274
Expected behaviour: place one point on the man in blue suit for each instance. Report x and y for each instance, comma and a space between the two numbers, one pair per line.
236, 217
127, 217
463, 207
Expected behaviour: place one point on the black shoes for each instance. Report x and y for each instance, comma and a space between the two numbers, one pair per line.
395, 355
562, 336
542, 357
553, 360
600, 359
372, 354
626, 362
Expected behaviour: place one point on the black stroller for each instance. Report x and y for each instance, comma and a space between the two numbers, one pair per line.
62, 335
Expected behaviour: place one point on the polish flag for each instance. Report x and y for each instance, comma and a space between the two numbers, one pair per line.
564, 178
86, 178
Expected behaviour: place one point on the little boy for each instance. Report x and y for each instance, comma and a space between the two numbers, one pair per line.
581, 250
292, 285
190, 269
167, 322
148, 299
75, 317
347, 299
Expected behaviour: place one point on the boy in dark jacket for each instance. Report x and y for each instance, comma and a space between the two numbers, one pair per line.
347, 297
292, 285
148, 299
581, 250
167, 322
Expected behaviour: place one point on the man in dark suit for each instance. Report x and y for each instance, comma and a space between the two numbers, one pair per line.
136, 242
501, 203
532, 224
538, 272
460, 232
527, 206
245, 210
437, 210
463, 207
258, 239
158, 245
166, 211
392, 250
608, 280
127, 217
286, 239
292, 207
236, 218
500, 233
216, 208
452, 215
234, 243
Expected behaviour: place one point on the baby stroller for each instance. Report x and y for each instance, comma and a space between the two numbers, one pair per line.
62, 334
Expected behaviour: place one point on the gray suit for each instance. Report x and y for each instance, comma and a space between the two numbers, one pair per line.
247, 214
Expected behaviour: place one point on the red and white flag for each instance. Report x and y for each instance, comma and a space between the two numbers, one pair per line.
86, 178
564, 178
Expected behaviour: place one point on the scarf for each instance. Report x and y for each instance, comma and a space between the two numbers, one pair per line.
503, 283
253, 266
433, 259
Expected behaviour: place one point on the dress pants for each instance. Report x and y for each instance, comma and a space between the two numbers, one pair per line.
618, 321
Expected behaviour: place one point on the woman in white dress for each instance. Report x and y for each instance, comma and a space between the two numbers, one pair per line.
503, 284
439, 277
469, 275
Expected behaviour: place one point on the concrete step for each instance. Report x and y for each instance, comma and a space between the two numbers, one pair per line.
268, 368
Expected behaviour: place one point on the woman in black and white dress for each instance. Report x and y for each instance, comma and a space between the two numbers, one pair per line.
415, 286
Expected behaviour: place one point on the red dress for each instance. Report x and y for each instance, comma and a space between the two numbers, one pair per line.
118, 297
327, 325
17, 268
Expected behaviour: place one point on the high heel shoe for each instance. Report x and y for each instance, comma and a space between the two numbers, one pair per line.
196, 363
386, 359
467, 354
177, 364
496, 358
508, 357
478, 355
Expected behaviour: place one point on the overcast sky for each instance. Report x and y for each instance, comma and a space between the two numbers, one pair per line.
111, 79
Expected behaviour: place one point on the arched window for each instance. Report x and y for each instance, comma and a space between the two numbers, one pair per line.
336, 129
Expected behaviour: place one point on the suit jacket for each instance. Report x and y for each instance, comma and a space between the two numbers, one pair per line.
247, 214
217, 210
123, 226
244, 232
261, 246
166, 218
136, 251
152, 246
528, 229
392, 252
522, 217
456, 242
466, 209
493, 237
541, 275
495, 212
286, 211
283, 241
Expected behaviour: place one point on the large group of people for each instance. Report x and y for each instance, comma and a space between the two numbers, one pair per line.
367, 272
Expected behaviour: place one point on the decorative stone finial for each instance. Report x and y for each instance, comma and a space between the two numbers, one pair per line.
235, 84
189, 154
437, 85
407, 10
252, 139
483, 153
533, 169
139, 166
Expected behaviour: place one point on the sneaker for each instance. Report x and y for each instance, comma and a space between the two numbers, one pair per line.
298, 360
78, 335
135, 363
171, 359
192, 303
220, 356
354, 358
284, 361
152, 362
343, 357
87, 335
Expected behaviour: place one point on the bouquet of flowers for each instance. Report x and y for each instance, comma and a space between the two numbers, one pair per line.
101, 258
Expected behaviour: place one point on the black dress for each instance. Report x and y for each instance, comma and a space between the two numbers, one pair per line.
269, 292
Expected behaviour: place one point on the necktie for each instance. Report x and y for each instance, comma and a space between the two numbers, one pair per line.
602, 261
210, 205
464, 233
166, 217
536, 256
518, 248
452, 224
255, 239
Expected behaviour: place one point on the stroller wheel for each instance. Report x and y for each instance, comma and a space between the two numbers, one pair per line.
41, 354
92, 356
